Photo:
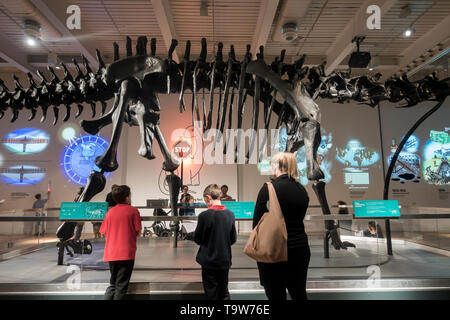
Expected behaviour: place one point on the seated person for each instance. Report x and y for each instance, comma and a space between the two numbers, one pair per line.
186, 199
224, 196
373, 230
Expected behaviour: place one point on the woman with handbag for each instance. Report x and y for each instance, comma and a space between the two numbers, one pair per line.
290, 197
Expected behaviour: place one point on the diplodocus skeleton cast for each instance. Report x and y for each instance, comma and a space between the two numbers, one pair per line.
136, 80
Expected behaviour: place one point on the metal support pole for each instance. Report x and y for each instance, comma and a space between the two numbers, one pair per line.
387, 221
394, 160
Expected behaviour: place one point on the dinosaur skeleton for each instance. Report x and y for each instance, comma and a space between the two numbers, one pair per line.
135, 81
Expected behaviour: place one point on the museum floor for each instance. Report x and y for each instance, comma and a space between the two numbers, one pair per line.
162, 271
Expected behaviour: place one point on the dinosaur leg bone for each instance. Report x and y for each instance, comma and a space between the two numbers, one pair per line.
170, 164
108, 161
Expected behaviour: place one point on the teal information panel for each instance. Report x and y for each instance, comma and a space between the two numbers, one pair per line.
241, 209
83, 210
376, 208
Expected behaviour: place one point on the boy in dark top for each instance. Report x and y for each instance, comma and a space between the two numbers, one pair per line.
215, 233
121, 226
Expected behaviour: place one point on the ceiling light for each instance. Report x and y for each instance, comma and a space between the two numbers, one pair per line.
408, 32
31, 42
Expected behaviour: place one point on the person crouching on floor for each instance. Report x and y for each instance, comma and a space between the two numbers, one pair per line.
121, 227
215, 233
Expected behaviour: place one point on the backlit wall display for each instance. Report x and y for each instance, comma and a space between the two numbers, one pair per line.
408, 164
22, 175
323, 156
26, 141
357, 158
78, 158
436, 154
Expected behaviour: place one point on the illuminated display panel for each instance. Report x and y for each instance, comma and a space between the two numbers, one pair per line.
22, 175
78, 158
323, 157
26, 141
436, 154
357, 158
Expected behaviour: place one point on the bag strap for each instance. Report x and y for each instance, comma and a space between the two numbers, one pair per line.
273, 201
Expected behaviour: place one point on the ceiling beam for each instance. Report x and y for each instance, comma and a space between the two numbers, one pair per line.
264, 23
14, 56
439, 34
166, 25
55, 13
357, 26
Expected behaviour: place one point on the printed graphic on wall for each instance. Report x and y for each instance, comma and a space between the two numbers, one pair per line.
22, 175
78, 158
407, 167
26, 141
436, 154
323, 156
357, 158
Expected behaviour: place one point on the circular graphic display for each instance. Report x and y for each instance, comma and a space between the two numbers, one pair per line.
22, 175
26, 141
79, 157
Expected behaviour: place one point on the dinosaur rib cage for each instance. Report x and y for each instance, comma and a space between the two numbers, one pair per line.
91, 87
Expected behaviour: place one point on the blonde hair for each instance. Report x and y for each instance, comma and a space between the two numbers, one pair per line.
286, 163
212, 190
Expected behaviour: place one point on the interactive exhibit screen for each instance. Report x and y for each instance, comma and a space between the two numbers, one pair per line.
83, 210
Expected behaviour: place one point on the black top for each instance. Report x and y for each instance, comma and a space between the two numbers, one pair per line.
215, 233
293, 200
110, 200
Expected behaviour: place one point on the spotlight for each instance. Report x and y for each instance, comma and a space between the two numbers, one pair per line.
408, 32
32, 32
30, 41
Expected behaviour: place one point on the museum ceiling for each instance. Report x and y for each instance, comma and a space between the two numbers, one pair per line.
325, 29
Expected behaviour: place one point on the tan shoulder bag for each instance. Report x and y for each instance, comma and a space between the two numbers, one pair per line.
268, 240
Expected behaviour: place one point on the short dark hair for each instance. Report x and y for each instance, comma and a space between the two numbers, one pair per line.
372, 224
184, 186
224, 186
37, 196
120, 193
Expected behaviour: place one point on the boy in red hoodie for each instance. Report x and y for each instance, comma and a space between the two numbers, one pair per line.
121, 226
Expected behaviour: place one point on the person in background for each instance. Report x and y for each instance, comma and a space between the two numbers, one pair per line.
80, 225
294, 200
215, 233
224, 196
121, 227
373, 230
109, 197
186, 198
39, 204
345, 225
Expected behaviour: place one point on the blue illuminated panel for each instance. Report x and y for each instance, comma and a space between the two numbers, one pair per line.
78, 158
26, 141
